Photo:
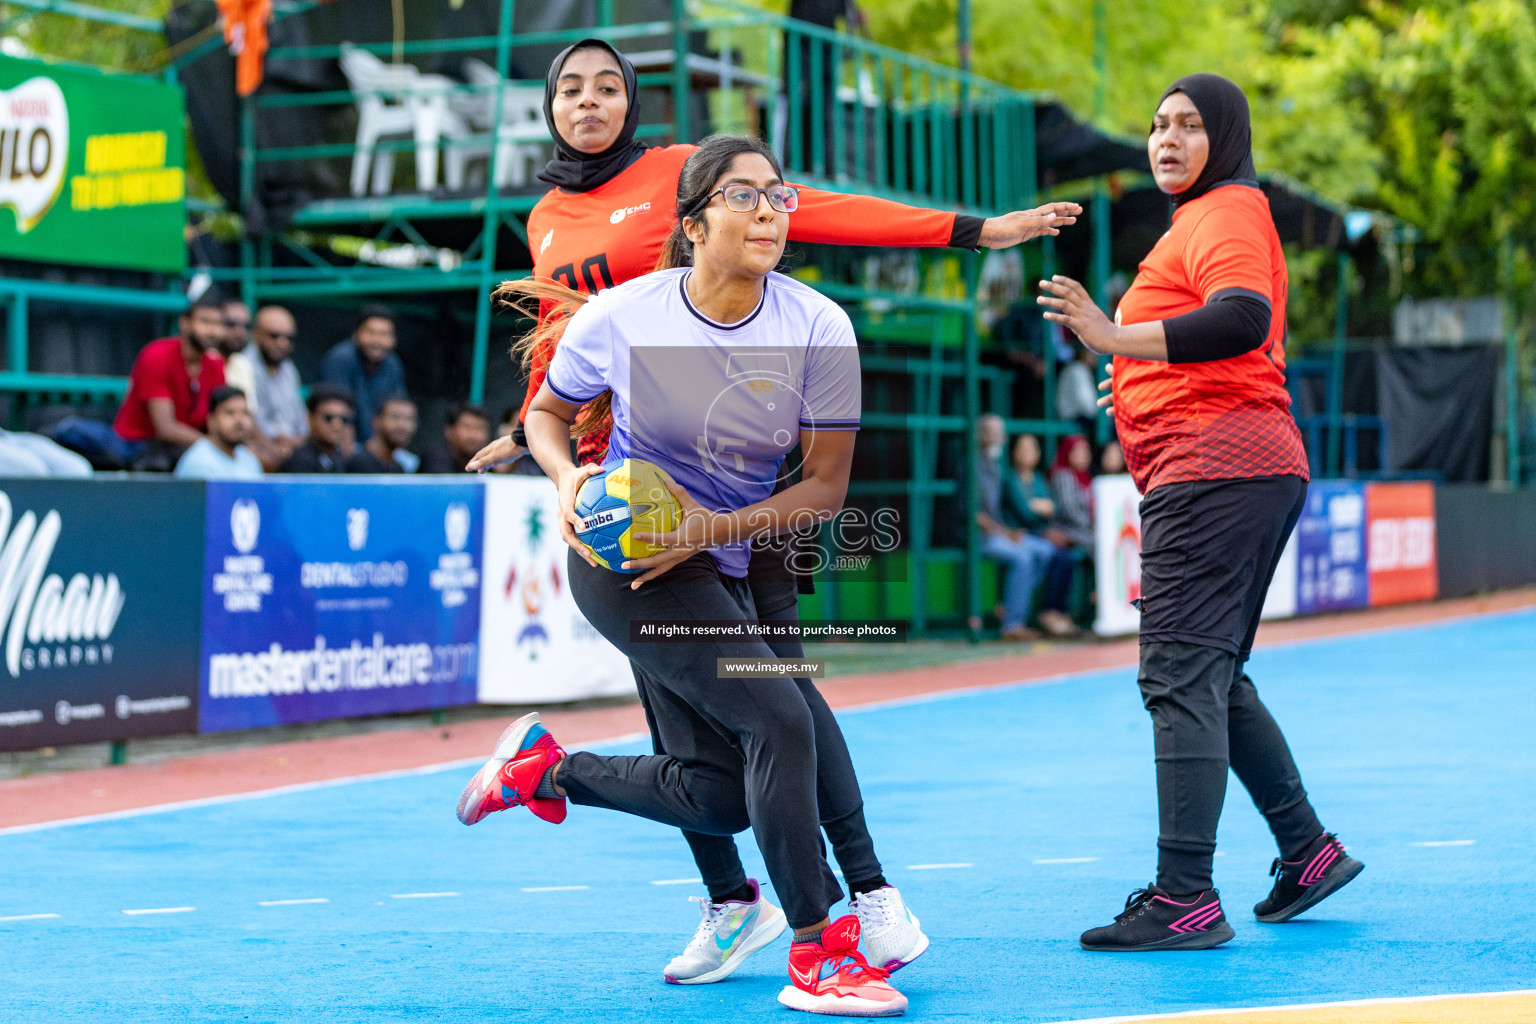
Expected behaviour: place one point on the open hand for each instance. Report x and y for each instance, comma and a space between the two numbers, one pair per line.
494, 454
1022, 225
678, 545
1076, 310
569, 485
1107, 399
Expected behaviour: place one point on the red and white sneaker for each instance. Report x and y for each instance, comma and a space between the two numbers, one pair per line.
833, 977
523, 754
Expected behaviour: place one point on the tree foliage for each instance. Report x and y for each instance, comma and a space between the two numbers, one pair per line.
1443, 94
1420, 109
48, 35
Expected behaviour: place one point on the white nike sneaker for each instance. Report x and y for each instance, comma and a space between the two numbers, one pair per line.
728, 934
892, 935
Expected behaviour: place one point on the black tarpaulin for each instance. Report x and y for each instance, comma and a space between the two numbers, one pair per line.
283, 187
1437, 403
1301, 217
1067, 149
212, 108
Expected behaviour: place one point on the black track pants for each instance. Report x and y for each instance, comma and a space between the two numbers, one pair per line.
739, 753
1209, 551
840, 805
1207, 716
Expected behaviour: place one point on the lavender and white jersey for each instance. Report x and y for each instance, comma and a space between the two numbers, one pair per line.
718, 406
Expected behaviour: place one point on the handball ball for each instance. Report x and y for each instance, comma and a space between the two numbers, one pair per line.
630, 497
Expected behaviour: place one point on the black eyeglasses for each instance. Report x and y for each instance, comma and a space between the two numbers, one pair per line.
244, 325
285, 335
337, 417
741, 198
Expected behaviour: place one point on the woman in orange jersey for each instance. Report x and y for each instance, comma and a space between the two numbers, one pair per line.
1202, 413
609, 212
605, 222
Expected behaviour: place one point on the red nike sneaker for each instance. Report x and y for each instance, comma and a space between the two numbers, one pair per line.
833, 977
523, 754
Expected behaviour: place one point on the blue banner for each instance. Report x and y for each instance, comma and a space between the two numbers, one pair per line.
1332, 573
98, 610
338, 598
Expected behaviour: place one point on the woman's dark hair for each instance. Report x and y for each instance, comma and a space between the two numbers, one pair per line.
697, 180
550, 304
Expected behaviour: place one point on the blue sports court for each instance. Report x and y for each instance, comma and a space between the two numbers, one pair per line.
1012, 818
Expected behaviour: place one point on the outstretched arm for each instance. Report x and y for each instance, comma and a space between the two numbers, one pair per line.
837, 218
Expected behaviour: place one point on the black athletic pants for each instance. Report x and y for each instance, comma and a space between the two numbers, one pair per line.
839, 803
1208, 552
739, 753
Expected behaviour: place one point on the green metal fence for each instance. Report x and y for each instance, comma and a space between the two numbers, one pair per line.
845, 114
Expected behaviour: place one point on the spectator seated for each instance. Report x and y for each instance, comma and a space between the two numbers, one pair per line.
465, 432
394, 427
222, 454
332, 422
366, 366
166, 408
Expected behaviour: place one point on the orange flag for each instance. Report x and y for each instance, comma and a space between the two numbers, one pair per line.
245, 30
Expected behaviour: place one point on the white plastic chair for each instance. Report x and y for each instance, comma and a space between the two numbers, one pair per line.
397, 100
522, 137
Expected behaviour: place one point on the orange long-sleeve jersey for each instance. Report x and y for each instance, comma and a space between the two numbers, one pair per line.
1226, 419
593, 240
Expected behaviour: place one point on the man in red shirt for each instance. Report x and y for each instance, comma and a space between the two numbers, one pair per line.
166, 408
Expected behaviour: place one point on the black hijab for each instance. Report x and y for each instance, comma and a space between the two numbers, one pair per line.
571, 169
1224, 109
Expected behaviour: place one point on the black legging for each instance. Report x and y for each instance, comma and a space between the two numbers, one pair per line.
739, 752
1209, 552
839, 803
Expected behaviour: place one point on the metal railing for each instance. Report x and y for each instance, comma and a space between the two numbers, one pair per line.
840, 111
843, 113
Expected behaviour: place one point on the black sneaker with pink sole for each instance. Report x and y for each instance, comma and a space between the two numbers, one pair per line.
1155, 920
1322, 870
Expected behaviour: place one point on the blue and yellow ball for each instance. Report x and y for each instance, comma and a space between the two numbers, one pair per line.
630, 497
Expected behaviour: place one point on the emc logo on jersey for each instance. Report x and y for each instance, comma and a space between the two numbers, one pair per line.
624, 211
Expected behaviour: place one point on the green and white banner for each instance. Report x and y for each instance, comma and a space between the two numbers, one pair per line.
93, 168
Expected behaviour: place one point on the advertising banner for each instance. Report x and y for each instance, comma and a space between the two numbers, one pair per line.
1280, 600
1330, 538
535, 644
1117, 560
1117, 554
92, 168
1400, 542
98, 610
339, 598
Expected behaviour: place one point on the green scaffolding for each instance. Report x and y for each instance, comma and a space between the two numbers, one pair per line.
908, 129
913, 131
905, 128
